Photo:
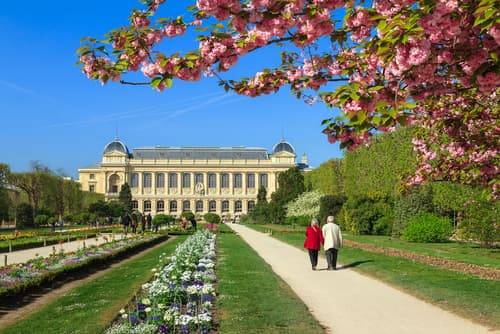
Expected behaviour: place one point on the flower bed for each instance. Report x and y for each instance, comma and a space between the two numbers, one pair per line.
180, 297
17, 279
13, 242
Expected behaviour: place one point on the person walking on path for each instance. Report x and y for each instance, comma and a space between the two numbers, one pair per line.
333, 242
125, 222
313, 242
135, 221
143, 224
194, 223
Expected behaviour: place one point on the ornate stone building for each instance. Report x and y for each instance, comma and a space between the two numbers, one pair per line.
170, 180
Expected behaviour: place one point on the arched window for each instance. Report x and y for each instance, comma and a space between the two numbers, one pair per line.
225, 206
212, 206
186, 205
135, 205
212, 180
199, 206
147, 206
238, 206
172, 180
160, 206
251, 180
160, 180
237, 180
114, 182
173, 206
186, 180
146, 180
134, 180
224, 180
198, 178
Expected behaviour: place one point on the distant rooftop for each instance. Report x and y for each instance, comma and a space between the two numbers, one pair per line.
203, 153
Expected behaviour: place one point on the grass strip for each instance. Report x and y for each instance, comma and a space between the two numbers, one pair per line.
466, 295
91, 307
252, 298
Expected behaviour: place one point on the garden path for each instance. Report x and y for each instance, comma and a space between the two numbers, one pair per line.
345, 301
24, 255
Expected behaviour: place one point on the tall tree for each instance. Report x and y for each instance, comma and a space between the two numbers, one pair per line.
290, 186
126, 197
262, 195
430, 63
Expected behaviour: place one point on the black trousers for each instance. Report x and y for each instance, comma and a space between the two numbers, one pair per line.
313, 256
331, 258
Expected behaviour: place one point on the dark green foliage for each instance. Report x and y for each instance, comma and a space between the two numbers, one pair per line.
116, 208
327, 178
99, 208
427, 227
125, 197
5, 203
298, 220
161, 220
260, 213
41, 220
330, 205
276, 213
363, 212
291, 185
69, 218
262, 195
383, 225
481, 221
380, 170
417, 201
25, 215
212, 218
188, 215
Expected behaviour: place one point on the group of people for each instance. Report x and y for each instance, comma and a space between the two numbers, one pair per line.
133, 221
330, 237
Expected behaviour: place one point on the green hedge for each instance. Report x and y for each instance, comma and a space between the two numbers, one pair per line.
427, 227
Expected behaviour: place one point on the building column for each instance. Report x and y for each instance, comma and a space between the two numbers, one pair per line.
179, 185
205, 183
231, 184
244, 183
271, 182
218, 183
153, 186
192, 178
141, 188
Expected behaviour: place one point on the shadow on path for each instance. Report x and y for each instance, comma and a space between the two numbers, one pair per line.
353, 264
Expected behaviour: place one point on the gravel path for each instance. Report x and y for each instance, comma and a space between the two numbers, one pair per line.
347, 302
24, 255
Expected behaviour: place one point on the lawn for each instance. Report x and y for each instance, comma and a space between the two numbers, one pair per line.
462, 252
252, 299
91, 307
466, 295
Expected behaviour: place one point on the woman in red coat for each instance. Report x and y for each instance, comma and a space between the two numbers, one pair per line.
313, 242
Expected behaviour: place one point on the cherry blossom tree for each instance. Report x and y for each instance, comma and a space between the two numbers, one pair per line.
385, 64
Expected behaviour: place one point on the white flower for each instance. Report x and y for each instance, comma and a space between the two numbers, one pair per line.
146, 301
124, 316
148, 309
122, 311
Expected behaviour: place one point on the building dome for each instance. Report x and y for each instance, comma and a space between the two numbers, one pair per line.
283, 146
116, 145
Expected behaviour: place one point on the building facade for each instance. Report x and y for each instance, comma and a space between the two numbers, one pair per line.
171, 180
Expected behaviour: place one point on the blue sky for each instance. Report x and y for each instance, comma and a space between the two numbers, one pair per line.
50, 112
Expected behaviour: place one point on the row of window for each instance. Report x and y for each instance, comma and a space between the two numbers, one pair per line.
186, 206
147, 179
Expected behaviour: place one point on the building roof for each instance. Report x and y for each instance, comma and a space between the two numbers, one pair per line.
201, 153
283, 145
116, 145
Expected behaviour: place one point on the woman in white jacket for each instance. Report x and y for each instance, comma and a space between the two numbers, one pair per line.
333, 242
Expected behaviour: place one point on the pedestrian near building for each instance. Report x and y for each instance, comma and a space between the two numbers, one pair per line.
333, 242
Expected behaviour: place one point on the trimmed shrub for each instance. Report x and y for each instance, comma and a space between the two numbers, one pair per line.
427, 227
362, 213
188, 215
481, 222
161, 219
25, 215
298, 220
417, 201
41, 220
52, 221
330, 205
383, 225
212, 218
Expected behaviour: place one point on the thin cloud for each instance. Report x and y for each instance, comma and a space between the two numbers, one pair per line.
139, 112
25, 90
